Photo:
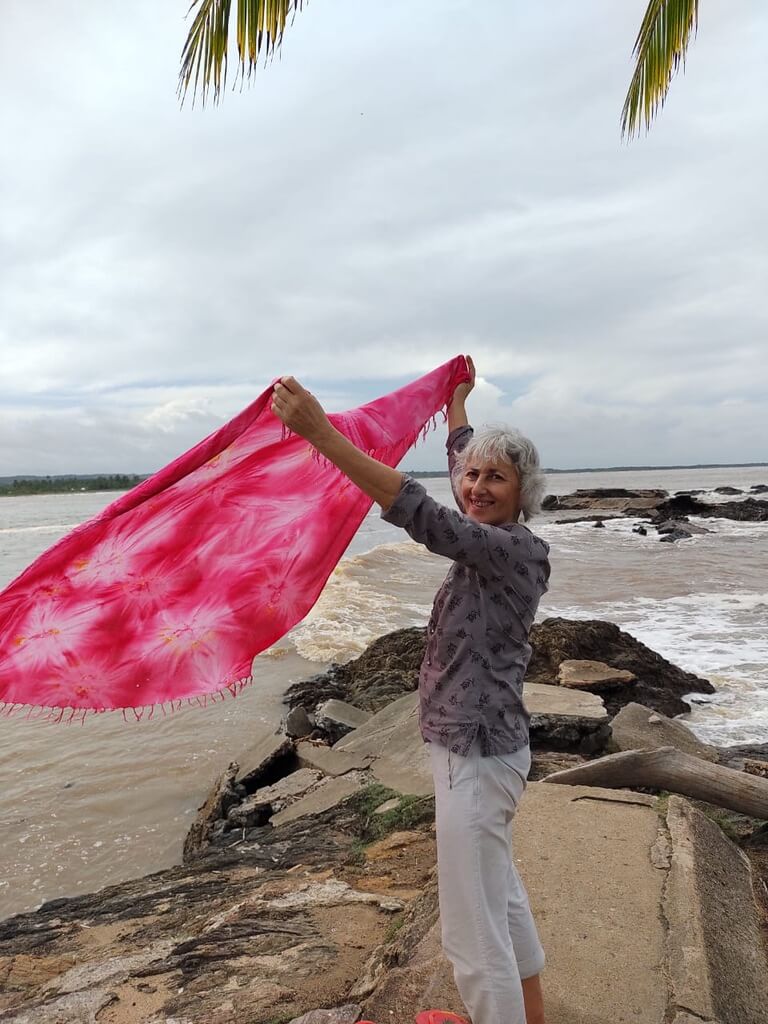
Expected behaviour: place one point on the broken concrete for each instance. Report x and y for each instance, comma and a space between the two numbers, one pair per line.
336, 718
328, 794
716, 957
638, 728
660, 684
594, 676
328, 761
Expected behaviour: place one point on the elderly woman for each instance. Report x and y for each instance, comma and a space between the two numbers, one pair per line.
471, 708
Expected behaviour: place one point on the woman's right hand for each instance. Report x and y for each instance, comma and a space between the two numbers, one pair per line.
462, 391
300, 411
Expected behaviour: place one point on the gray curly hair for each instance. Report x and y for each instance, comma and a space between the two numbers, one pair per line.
501, 444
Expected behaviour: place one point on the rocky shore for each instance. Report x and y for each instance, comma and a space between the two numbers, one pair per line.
308, 883
669, 514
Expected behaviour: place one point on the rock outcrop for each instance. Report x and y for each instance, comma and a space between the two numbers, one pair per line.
638, 728
617, 499
658, 505
660, 685
751, 510
308, 893
390, 667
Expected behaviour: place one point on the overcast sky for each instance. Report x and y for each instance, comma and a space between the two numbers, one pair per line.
408, 182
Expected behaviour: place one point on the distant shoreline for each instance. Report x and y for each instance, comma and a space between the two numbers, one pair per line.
12, 486
619, 469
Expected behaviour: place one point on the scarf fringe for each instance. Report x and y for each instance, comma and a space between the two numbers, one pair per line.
72, 716
418, 436
145, 713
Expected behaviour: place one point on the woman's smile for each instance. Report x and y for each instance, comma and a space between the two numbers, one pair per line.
490, 492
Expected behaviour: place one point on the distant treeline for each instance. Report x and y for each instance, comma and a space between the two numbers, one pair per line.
69, 484
626, 469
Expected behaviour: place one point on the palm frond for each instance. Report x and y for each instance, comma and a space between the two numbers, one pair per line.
260, 25
660, 49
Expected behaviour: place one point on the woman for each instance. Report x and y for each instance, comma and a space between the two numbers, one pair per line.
471, 709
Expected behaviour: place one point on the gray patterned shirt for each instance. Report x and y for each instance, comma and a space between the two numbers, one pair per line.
471, 679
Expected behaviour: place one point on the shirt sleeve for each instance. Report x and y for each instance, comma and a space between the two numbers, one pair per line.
511, 554
456, 442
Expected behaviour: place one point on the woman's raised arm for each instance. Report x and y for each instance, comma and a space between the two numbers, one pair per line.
301, 412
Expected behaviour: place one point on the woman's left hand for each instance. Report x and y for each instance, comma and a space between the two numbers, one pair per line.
299, 410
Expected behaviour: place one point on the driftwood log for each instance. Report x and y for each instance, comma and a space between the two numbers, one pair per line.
670, 769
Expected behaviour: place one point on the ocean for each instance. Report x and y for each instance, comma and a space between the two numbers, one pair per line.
83, 806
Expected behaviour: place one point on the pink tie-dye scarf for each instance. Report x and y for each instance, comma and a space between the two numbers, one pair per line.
172, 590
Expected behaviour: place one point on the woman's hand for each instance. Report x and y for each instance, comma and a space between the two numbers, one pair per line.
300, 411
462, 391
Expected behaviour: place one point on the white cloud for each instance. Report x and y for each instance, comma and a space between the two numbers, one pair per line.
401, 186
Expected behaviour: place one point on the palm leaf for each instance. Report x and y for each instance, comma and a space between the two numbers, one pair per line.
660, 49
259, 28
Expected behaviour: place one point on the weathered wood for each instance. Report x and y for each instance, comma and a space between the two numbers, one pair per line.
670, 769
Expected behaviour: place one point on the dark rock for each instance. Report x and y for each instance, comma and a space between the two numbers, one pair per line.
599, 524
641, 530
393, 662
660, 684
585, 519
682, 523
567, 734
337, 718
674, 535
617, 492
386, 670
735, 756
298, 723
728, 490
251, 813
759, 838
615, 498
749, 510
696, 490
221, 798
759, 488
546, 763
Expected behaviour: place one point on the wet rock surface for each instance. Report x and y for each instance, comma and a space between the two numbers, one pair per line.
659, 685
268, 930
390, 667
658, 505
749, 509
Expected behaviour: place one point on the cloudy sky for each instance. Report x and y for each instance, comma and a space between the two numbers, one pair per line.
408, 182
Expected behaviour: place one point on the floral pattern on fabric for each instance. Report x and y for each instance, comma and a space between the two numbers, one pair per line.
177, 585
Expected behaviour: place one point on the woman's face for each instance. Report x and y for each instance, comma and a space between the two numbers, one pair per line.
490, 492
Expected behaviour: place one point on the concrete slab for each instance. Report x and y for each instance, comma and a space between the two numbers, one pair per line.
593, 676
541, 699
717, 962
637, 727
586, 860
373, 737
329, 761
329, 793
399, 756
266, 748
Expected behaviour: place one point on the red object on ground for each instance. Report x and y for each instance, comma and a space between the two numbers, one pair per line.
440, 1017
175, 587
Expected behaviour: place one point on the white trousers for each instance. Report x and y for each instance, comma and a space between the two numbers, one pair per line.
487, 926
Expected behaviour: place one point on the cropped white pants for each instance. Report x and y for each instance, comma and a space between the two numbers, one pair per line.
488, 930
